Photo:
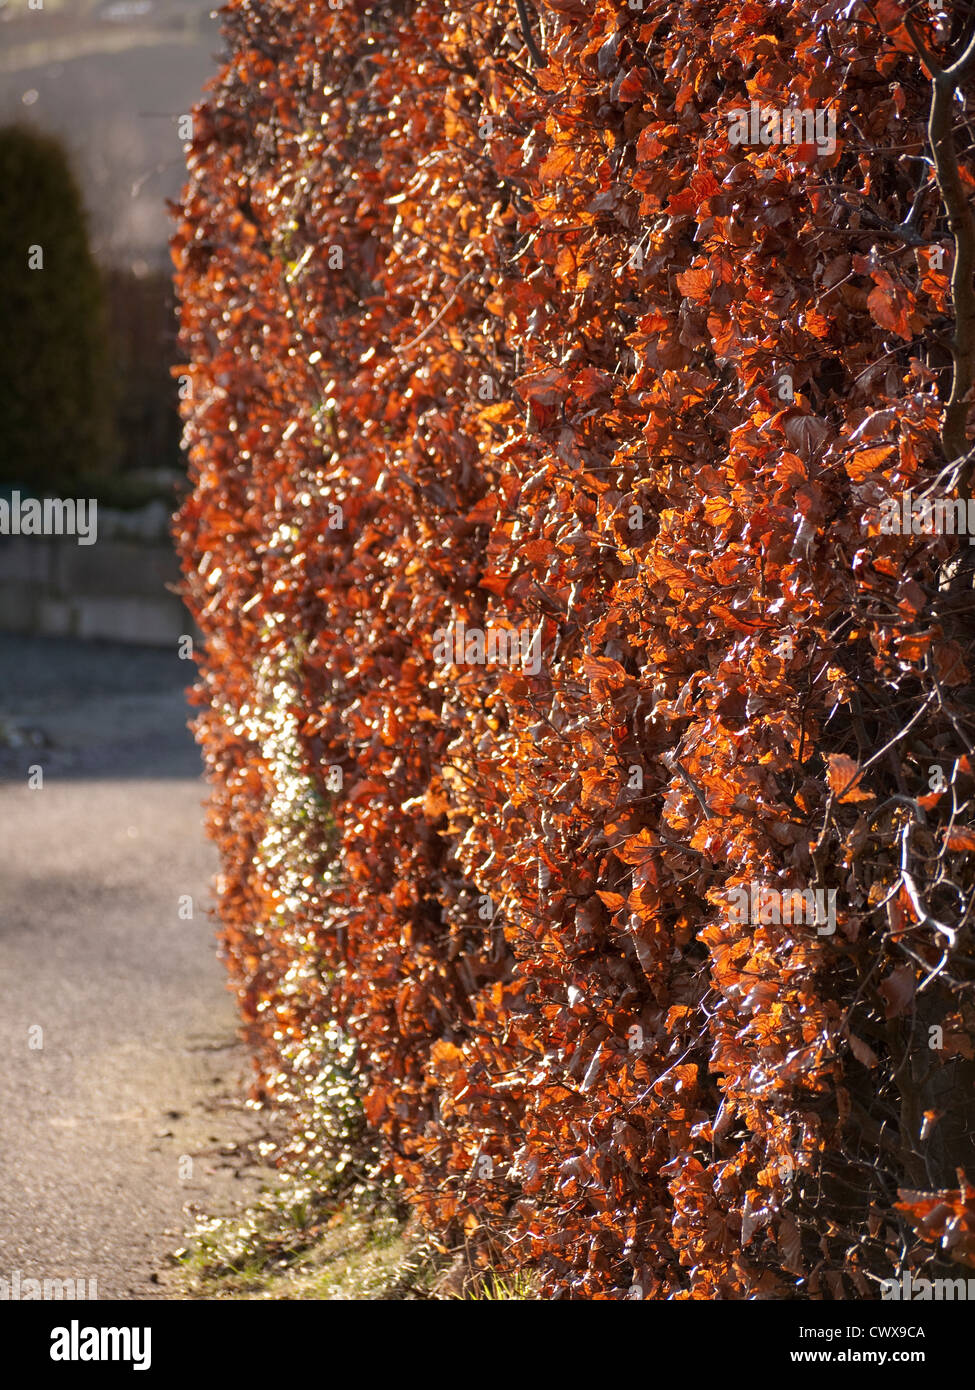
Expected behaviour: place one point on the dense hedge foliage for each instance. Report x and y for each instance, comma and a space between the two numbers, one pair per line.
56, 390
525, 341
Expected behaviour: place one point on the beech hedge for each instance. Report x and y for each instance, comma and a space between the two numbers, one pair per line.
586, 698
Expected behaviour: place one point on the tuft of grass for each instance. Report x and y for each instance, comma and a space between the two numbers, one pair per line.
521, 1284
304, 1242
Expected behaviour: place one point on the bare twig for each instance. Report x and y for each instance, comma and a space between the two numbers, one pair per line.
434, 321
923, 915
944, 81
538, 58
673, 763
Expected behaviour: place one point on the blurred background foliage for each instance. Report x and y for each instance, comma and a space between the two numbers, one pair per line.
57, 396
87, 398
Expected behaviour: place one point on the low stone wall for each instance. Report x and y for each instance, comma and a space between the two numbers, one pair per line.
114, 590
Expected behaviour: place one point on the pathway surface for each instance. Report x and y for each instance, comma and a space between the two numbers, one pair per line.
129, 1114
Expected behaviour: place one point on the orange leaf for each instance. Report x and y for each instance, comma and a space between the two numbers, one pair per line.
866, 461
842, 775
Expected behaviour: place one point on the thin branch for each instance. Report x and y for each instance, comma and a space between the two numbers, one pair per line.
434, 321
674, 764
538, 58
944, 81
923, 915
